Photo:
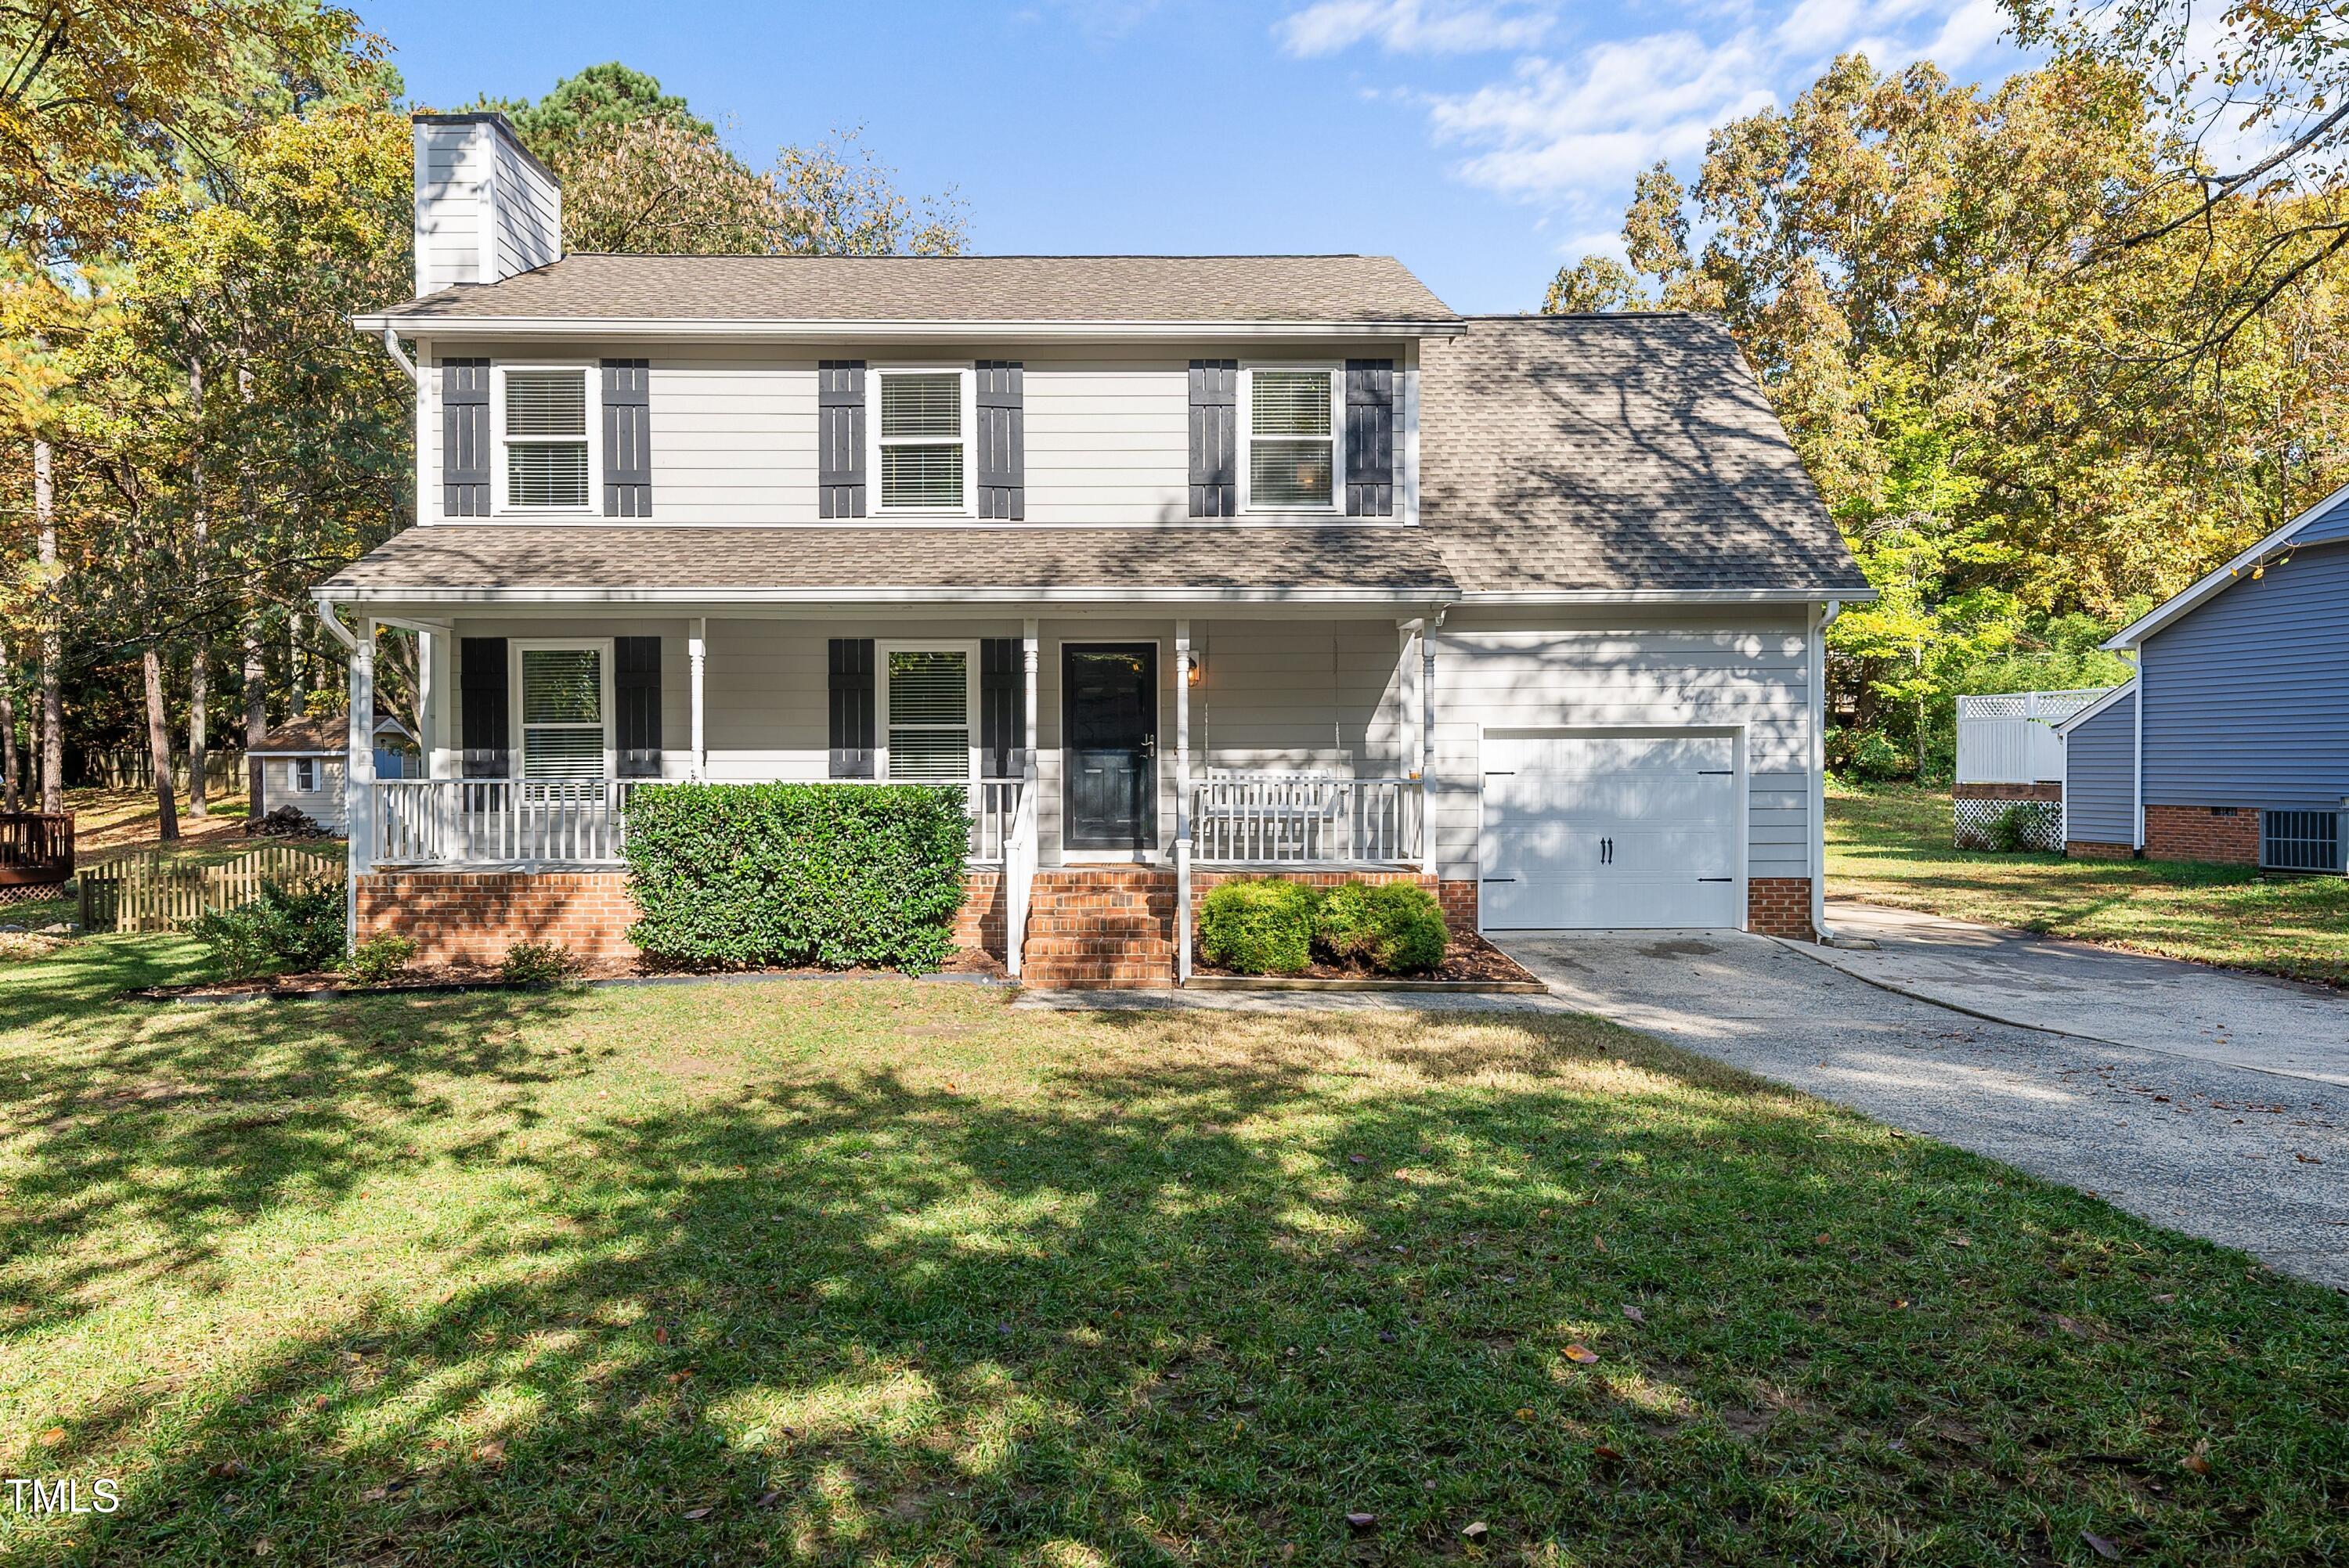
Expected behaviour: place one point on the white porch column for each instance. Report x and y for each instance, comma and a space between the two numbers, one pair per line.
696, 651
435, 656
1028, 663
1182, 803
1427, 743
358, 772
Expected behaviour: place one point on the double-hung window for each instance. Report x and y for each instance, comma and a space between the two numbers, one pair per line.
548, 433
928, 694
921, 446
564, 695
1293, 437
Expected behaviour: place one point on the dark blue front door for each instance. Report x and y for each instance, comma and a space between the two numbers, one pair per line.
1109, 730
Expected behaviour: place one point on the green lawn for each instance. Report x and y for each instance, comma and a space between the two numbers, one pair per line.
1892, 845
891, 1273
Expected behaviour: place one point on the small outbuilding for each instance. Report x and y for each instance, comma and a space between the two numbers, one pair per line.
2231, 745
303, 764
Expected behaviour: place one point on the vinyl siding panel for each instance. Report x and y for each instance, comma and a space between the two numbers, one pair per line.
1620, 670
451, 163
2100, 777
323, 805
2247, 696
675, 669
529, 213
734, 434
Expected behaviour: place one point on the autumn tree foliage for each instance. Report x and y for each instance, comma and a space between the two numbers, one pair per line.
2006, 437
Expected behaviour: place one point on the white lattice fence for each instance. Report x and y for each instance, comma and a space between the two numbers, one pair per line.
2009, 737
2041, 822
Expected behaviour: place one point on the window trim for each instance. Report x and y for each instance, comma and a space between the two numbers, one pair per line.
294, 770
517, 730
966, 380
501, 479
968, 649
1336, 371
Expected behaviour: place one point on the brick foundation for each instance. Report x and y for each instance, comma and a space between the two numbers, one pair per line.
1779, 906
2091, 850
2046, 789
2218, 834
473, 917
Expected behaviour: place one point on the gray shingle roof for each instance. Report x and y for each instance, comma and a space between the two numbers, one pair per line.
684, 560
1615, 452
1319, 289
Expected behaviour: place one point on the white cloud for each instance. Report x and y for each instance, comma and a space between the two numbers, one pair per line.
1568, 132
1415, 26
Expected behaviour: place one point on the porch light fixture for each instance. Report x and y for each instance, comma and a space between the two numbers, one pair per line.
1190, 670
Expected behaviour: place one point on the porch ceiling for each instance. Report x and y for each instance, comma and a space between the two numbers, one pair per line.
594, 564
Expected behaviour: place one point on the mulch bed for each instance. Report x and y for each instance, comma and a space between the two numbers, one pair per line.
1467, 956
965, 962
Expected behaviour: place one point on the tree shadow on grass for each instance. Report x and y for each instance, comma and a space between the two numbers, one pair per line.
1212, 1286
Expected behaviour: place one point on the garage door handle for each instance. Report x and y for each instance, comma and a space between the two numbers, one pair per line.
1496, 879
1716, 879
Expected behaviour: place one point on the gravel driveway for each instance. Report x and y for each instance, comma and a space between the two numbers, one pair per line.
2246, 1158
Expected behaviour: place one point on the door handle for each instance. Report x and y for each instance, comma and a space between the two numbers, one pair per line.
1150, 746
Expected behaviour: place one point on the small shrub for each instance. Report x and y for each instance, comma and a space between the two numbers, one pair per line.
736, 876
1877, 759
2012, 831
380, 959
296, 928
1259, 927
1397, 928
537, 964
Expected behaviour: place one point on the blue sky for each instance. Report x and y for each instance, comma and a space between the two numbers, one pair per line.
1483, 142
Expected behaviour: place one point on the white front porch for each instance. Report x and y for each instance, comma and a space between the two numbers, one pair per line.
1246, 744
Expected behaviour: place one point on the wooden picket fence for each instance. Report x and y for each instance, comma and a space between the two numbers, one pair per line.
132, 767
150, 892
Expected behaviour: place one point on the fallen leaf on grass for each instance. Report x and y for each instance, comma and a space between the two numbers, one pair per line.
1608, 1452
660, 1336
1598, 1243
227, 1470
697, 1514
492, 1451
1581, 1354
1822, 1238
53, 1437
1476, 1531
2070, 1326
2100, 1546
768, 1499
1361, 1524
2199, 1461
1634, 1314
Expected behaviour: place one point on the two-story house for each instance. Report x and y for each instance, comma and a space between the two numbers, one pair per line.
1183, 565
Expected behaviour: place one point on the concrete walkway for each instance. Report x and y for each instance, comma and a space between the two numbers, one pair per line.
2194, 1142
2099, 993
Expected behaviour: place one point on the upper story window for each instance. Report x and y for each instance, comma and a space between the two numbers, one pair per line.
545, 432
922, 452
1291, 435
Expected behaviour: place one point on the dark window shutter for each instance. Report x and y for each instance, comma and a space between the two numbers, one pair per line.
1215, 437
1002, 707
1002, 441
637, 705
1370, 437
627, 439
465, 438
839, 440
852, 708
481, 707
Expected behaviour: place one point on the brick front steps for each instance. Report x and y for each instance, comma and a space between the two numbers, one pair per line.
1101, 928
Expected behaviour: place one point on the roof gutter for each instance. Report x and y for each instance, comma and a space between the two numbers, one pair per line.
331, 594
802, 330
1673, 596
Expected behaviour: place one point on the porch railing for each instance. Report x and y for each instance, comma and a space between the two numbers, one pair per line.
36, 848
573, 822
1297, 819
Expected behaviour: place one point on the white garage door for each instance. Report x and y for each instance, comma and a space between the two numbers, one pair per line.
1600, 831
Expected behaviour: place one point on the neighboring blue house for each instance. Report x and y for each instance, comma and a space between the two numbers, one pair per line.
2232, 743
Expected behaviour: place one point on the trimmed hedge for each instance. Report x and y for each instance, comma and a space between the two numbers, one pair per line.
1259, 927
300, 929
833, 875
1395, 928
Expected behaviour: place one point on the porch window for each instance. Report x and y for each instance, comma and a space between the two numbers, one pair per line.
1292, 441
566, 703
925, 716
545, 433
920, 437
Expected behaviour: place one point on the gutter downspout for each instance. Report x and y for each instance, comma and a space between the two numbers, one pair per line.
1427, 631
1821, 620
391, 343
2136, 759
